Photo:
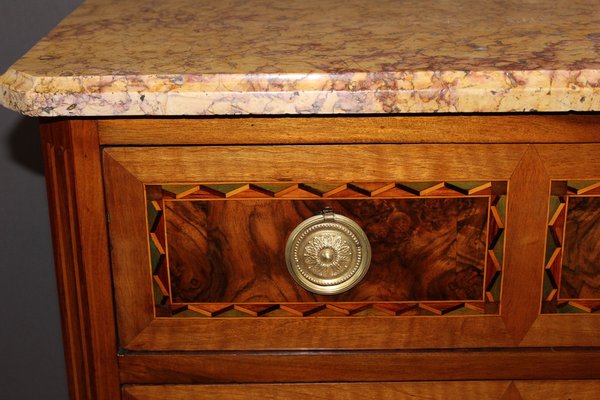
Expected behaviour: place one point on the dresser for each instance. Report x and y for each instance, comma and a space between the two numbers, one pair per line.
327, 199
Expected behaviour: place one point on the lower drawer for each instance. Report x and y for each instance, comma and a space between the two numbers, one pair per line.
466, 390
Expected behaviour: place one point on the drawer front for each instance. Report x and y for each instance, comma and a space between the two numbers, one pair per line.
465, 390
227, 250
456, 237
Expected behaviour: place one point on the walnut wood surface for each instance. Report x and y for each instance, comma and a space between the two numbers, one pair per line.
354, 129
354, 366
234, 251
334, 391
323, 163
580, 277
129, 250
577, 161
527, 212
342, 333
77, 215
465, 390
171, 165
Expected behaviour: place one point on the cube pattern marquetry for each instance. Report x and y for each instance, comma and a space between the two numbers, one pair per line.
160, 196
572, 259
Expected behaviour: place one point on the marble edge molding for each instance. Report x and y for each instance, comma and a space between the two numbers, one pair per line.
312, 93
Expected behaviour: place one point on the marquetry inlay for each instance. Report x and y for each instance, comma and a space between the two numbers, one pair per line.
572, 262
438, 247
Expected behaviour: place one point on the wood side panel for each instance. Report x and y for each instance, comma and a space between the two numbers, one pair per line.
526, 226
331, 391
372, 366
234, 251
78, 220
354, 129
341, 333
129, 250
158, 165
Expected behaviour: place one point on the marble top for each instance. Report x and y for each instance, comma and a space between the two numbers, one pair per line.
206, 57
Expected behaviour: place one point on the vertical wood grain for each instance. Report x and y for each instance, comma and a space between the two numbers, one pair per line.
525, 234
77, 215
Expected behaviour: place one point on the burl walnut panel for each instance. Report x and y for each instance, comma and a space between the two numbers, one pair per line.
580, 277
234, 250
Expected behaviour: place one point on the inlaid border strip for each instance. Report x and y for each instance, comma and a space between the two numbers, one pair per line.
165, 308
560, 193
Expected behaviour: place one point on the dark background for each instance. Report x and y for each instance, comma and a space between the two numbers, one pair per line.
31, 352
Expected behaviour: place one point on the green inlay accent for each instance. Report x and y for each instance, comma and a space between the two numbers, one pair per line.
501, 207
370, 312
499, 248
178, 189
579, 185
154, 257
567, 308
274, 187
234, 313
554, 204
463, 311
551, 246
189, 314
372, 187
152, 215
226, 187
321, 188
158, 295
548, 286
425, 312
495, 289
277, 313
468, 186
419, 186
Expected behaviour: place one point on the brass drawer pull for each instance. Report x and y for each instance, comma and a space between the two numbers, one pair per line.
328, 253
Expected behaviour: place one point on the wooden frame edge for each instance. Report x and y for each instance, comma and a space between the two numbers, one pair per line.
366, 366
78, 222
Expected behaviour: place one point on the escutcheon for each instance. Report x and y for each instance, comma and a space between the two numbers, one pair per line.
328, 253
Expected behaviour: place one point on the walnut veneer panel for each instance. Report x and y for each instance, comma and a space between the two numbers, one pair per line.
580, 277
234, 250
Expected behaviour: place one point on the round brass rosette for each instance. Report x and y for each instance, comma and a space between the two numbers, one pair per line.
328, 254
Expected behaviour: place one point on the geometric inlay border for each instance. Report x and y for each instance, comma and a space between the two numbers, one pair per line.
157, 195
561, 191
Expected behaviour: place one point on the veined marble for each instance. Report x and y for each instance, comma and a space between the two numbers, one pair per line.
205, 57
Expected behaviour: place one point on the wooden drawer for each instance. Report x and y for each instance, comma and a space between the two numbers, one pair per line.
466, 390
458, 234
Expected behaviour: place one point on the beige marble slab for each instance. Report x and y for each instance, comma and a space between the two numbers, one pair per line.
207, 57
